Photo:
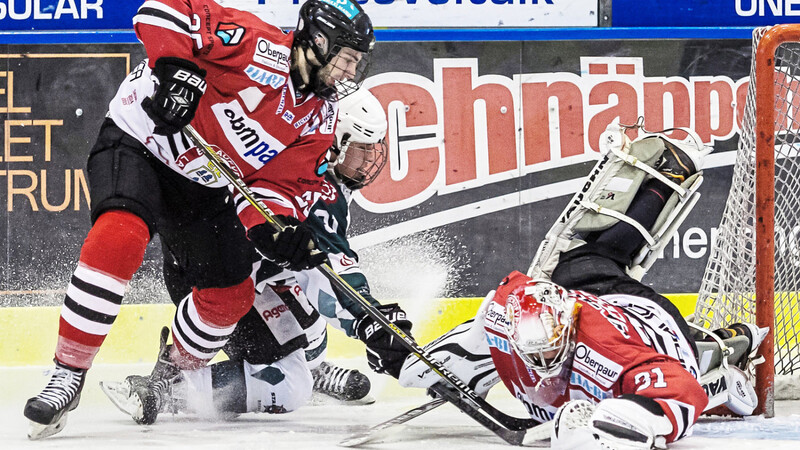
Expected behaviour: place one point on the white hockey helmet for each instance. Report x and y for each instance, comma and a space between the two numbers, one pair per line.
359, 151
540, 324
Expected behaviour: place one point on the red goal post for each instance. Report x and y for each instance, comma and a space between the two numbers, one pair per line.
753, 273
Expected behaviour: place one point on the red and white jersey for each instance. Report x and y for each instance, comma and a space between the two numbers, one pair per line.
273, 137
623, 345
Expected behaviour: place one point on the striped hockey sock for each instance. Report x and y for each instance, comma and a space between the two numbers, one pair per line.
111, 254
205, 320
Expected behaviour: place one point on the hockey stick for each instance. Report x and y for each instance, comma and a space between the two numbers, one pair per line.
376, 431
512, 436
467, 394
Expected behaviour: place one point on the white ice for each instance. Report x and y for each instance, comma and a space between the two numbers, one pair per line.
321, 425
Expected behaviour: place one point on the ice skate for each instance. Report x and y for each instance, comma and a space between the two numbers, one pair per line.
681, 159
348, 385
143, 398
47, 411
164, 369
750, 337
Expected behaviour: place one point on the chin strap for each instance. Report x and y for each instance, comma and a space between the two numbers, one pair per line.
304, 73
302, 69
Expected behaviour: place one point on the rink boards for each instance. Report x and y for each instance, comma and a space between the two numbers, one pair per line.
31, 332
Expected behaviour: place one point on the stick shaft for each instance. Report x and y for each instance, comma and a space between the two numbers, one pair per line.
466, 393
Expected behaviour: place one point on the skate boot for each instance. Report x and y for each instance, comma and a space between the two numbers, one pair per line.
164, 369
677, 164
48, 410
147, 398
749, 338
143, 398
342, 384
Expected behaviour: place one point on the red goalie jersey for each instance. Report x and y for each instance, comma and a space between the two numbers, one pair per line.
275, 138
623, 345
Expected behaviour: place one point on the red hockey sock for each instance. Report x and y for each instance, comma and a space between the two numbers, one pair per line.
115, 244
223, 307
111, 254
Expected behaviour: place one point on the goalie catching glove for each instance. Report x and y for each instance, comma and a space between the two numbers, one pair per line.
629, 422
181, 84
385, 352
463, 350
293, 248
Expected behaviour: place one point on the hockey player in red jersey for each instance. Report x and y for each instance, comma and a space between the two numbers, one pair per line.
267, 99
283, 334
583, 343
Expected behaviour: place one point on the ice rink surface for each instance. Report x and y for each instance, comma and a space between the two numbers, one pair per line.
321, 425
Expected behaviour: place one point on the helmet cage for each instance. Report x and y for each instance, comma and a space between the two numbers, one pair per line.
348, 86
325, 30
541, 326
359, 164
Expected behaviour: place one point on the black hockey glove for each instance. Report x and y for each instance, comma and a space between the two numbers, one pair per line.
385, 353
293, 248
181, 84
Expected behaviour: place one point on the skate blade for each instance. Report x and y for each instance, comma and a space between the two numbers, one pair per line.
367, 400
320, 399
38, 431
120, 395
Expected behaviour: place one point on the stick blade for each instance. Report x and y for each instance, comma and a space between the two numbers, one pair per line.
385, 428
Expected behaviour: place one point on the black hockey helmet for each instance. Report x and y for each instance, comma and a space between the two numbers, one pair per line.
328, 26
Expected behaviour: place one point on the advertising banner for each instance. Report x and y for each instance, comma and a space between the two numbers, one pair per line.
704, 13
444, 13
104, 15
53, 100
488, 141
27, 15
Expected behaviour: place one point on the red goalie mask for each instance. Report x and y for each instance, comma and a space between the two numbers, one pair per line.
541, 326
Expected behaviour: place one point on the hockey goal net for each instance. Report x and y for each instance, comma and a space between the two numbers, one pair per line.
753, 273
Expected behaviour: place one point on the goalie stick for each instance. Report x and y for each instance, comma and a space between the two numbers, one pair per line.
530, 436
378, 430
467, 397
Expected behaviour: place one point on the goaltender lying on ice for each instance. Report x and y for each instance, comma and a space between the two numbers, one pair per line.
580, 340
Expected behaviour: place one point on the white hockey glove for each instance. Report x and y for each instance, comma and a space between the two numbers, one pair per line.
571, 426
630, 422
463, 350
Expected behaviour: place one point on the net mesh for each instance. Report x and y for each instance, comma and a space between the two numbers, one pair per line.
727, 291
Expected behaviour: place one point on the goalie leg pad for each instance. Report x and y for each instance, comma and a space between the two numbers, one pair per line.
672, 215
742, 398
610, 187
619, 183
723, 378
630, 422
